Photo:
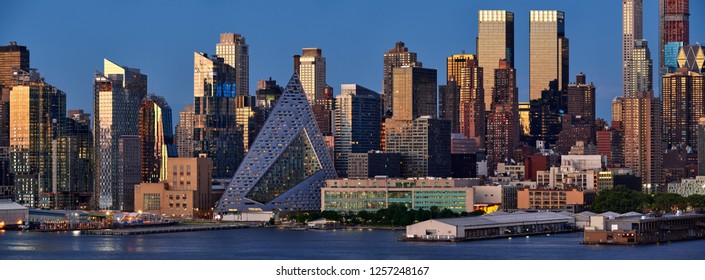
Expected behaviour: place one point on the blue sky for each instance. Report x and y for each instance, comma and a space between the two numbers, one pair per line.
69, 39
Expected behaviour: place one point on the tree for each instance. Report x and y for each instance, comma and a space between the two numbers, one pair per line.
620, 200
669, 202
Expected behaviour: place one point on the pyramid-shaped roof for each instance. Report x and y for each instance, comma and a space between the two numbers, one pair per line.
287, 164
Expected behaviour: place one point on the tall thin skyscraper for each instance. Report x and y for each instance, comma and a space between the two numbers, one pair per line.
358, 123
118, 93
581, 99
495, 41
642, 148
503, 119
216, 132
235, 52
549, 51
641, 70
632, 30
156, 137
463, 103
395, 57
674, 28
312, 70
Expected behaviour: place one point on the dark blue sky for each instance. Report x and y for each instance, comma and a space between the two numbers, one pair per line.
69, 39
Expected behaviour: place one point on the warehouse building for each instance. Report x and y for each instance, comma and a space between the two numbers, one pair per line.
495, 225
12, 214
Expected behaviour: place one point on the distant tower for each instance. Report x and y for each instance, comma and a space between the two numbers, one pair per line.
683, 106
357, 124
156, 138
312, 70
235, 52
13, 58
495, 41
463, 100
581, 99
674, 29
503, 119
548, 54
395, 57
184, 133
642, 148
632, 30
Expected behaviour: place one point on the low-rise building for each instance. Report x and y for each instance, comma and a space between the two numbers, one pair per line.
373, 194
565, 177
687, 187
641, 229
12, 214
544, 198
186, 193
514, 171
498, 224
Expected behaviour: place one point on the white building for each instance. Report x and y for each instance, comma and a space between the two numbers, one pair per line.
688, 186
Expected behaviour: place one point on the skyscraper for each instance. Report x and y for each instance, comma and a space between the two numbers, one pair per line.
424, 145
581, 99
683, 105
216, 132
312, 70
545, 114
235, 52
247, 114
495, 41
414, 92
156, 137
642, 149
463, 100
14, 59
674, 28
184, 133
641, 70
548, 54
503, 119
395, 57
118, 94
632, 30
288, 163
72, 158
37, 110
358, 123
268, 92
692, 58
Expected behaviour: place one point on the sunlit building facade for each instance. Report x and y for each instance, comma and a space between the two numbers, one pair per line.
157, 138
674, 30
503, 118
495, 41
683, 98
311, 66
463, 103
235, 52
395, 57
118, 94
184, 132
548, 52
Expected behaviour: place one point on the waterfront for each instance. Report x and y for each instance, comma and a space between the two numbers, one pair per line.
274, 244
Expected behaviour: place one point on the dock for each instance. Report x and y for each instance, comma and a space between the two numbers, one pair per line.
165, 229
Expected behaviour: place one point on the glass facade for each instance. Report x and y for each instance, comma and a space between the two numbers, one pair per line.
358, 124
234, 51
548, 54
464, 103
216, 132
495, 41
118, 94
157, 138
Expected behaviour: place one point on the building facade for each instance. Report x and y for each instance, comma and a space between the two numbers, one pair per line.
674, 28
358, 123
118, 94
548, 52
235, 52
156, 137
311, 67
495, 41
395, 57
683, 96
415, 193
462, 101
632, 30
183, 139
424, 145
503, 120
216, 132
287, 164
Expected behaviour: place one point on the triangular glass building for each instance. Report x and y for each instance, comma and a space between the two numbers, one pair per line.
288, 163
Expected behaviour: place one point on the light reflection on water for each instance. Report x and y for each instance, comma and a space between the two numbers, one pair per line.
342, 244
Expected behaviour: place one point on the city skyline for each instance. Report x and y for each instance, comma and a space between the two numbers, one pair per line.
69, 66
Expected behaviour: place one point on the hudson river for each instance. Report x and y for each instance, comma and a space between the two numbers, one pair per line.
269, 243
